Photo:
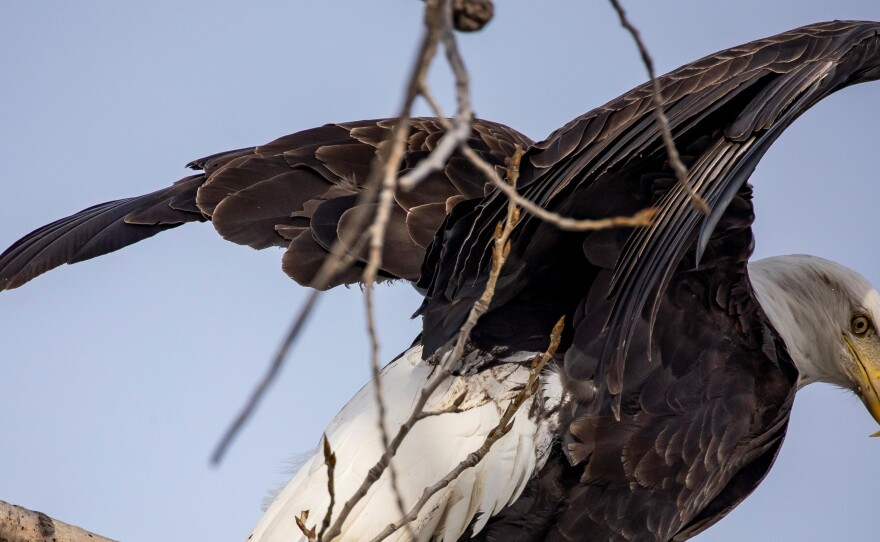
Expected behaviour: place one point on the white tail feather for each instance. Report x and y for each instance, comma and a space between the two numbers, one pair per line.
435, 446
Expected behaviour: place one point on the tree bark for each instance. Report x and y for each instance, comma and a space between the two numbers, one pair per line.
19, 524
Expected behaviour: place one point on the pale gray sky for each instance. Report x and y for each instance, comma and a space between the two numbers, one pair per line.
119, 374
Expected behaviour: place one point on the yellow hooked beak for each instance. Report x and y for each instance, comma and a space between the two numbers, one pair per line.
868, 380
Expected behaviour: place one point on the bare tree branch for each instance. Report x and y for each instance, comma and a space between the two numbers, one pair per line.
681, 172
19, 524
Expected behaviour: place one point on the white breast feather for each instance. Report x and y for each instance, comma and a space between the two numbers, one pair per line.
435, 446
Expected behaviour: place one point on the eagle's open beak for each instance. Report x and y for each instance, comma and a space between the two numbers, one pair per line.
868, 380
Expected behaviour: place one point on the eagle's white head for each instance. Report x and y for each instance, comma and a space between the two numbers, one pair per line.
827, 315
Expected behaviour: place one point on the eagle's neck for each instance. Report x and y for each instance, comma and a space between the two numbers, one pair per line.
793, 296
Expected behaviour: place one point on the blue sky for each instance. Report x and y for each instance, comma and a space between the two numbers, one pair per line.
119, 374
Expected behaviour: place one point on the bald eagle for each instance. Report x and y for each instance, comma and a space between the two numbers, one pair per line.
669, 395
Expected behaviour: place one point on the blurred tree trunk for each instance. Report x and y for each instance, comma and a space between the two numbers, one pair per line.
19, 524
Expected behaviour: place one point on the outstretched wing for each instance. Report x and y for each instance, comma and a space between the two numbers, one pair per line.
300, 192
725, 110
681, 387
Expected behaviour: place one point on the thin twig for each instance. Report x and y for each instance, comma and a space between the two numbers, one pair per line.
377, 238
453, 408
268, 377
426, 93
503, 427
459, 130
681, 171
499, 254
301, 521
436, 20
455, 136
445, 367
460, 73
641, 218
338, 258
330, 462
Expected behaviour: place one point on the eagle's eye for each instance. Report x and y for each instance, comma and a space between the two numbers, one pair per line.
860, 324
